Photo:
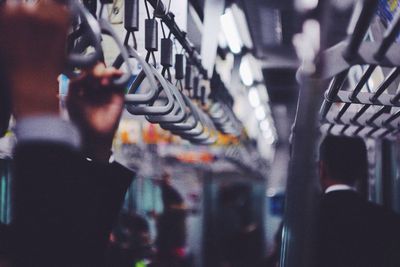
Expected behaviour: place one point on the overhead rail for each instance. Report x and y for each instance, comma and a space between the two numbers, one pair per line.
377, 114
178, 104
168, 18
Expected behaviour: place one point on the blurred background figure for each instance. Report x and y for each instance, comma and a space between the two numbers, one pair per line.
130, 242
240, 234
171, 227
5, 245
274, 257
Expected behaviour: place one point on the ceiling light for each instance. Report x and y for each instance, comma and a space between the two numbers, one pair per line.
230, 31
303, 5
245, 72
262, 92
265, 126
270, 140
242, 26
254, 98
268, 135
260, 113
222, 41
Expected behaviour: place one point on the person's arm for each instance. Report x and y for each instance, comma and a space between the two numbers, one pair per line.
33, 52
95, 106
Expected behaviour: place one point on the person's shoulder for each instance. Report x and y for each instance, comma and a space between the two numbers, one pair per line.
342, 197
341, 194
52, 154
109, 173
123, 169
347, 203
382, 212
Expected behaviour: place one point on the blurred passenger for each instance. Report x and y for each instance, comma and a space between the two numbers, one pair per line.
274, 258
64, 204
5, 109
130, 242
4, 245
352, 231
240, 235
171, 198
171, 227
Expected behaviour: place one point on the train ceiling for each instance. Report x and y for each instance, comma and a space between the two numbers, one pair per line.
272, 25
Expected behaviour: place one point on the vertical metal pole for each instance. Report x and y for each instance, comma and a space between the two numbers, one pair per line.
378, 185
299, 233
302, 189
387, 173
298, 244
396, 179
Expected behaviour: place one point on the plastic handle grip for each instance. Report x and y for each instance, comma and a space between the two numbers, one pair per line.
131, 19
107, 29
151, 35
93, 34
166, 52
179, 62
188, 77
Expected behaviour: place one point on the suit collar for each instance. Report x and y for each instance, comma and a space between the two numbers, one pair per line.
339, 187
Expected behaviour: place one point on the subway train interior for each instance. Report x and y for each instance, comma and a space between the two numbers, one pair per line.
204, 133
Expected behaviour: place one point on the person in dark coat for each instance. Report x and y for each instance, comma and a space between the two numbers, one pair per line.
130, 241
171, 226
67, 189
352, 232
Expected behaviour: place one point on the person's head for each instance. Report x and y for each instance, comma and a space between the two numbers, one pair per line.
343, 160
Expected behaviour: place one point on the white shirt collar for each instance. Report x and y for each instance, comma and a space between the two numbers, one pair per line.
339, 187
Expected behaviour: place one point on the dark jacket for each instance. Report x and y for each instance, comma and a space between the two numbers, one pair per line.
64, 205
356, 233
171, 225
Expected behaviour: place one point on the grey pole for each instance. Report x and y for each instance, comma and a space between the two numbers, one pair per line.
298, 244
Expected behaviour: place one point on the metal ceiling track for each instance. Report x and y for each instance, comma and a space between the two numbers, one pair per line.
378, 114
